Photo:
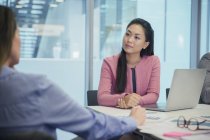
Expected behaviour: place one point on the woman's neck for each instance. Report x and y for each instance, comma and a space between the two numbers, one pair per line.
133, 60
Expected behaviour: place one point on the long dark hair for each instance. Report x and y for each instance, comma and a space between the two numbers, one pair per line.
8, 28
121, 78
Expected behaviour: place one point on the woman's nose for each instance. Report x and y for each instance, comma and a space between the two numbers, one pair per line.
130, 38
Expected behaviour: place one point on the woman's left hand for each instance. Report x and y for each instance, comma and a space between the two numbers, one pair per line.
121, 103
132, 99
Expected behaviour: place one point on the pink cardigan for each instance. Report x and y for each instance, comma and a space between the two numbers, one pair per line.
147, 81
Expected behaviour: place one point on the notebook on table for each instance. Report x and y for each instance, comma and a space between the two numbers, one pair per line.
184, 92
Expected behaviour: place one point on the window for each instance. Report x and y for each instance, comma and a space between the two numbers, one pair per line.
51, 28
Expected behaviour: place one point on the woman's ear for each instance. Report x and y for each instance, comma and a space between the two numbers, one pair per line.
146, 45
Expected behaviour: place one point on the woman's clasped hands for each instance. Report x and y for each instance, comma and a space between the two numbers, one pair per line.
129, 101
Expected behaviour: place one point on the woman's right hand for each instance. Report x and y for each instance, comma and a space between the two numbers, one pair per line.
138, 114
132, 99
121, 104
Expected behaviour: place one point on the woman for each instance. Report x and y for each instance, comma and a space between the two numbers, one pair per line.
132, 77
33, 103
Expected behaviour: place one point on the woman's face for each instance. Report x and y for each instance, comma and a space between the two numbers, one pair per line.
134, 40
15, 52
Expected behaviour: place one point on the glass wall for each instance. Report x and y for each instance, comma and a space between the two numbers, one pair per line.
51, 28
64, 31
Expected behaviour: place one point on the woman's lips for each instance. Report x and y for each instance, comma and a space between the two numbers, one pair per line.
128, 46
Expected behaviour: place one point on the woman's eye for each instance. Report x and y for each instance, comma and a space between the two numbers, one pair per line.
137, 38
127, 34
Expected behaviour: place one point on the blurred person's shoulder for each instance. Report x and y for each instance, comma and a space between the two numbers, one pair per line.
35, 79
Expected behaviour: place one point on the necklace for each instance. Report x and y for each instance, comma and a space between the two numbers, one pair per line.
133, 65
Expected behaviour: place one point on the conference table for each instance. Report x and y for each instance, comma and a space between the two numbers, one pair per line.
163, 125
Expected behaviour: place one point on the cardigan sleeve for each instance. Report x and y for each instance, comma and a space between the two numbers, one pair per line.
106, 95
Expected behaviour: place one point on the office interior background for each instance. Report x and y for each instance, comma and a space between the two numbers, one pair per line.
68, 39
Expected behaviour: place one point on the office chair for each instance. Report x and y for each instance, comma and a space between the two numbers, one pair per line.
205, 94
34, 135
167, 92
92, 97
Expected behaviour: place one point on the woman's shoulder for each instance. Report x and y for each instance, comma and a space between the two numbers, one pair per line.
151, 58
112, 59
34, 79
16, 74
31, 76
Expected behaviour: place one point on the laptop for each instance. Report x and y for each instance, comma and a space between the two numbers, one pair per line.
184, 92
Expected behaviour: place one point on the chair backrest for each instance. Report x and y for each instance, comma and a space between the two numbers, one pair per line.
167, 92
92, 97
35, 135
205, 63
